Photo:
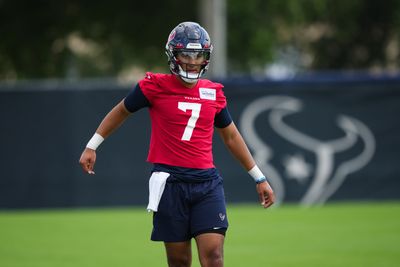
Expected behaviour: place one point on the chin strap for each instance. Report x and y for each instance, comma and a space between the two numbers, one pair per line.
189, 77
189, 80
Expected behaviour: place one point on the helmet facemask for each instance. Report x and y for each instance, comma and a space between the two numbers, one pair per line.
178, 67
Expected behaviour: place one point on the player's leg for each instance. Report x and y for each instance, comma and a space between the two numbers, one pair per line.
179, 254
210, 249
209, 221
171, 225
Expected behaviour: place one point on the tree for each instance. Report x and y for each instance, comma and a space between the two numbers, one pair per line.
41, 39
72, 38
334, 35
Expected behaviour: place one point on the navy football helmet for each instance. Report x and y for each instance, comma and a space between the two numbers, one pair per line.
188, 38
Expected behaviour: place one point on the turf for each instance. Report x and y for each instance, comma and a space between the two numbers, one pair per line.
335, 235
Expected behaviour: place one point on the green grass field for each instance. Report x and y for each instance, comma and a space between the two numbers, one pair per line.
336, 235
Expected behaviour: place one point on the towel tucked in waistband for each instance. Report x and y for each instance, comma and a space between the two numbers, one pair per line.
156, 188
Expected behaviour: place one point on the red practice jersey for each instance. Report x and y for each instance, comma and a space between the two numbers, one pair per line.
182, 120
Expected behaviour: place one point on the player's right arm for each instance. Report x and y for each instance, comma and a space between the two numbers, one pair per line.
112, 121
134, 101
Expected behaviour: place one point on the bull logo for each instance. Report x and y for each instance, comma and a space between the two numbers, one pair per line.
328, 172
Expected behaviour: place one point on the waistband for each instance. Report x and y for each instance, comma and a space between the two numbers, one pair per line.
189, 175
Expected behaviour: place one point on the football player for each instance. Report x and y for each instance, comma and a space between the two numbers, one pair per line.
186, 190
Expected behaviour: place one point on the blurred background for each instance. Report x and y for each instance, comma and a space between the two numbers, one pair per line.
83, 39
313, 85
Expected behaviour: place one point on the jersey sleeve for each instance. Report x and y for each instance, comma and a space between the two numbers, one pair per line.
223, 118
150, 86
136, 100
221, 99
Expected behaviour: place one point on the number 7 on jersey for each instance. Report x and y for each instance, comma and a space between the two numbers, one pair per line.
191, 124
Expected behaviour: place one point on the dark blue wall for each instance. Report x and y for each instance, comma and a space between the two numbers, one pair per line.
318, 140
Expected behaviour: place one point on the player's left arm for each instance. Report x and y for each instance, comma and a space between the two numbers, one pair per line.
237, 146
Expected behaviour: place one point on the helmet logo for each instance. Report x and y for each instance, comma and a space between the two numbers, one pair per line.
171, 35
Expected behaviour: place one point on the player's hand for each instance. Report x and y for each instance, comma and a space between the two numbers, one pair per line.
87, 160
266, 194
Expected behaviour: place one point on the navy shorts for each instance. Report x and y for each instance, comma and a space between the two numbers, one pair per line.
189, 209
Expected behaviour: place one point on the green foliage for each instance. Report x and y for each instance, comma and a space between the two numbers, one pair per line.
359, 34
47, 39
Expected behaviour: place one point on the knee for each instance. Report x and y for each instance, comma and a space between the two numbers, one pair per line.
213, 257
179, 261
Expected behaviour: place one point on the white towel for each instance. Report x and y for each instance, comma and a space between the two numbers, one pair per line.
156, 188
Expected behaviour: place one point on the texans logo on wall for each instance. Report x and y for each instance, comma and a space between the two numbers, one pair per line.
307, 151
